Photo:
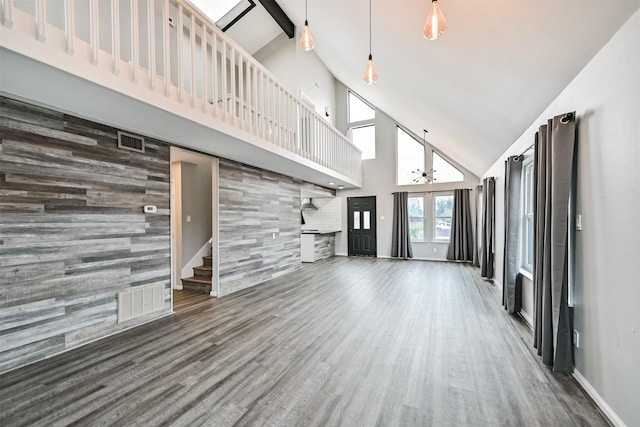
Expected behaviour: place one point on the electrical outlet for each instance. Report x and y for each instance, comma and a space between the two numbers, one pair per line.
435, 250
579, 222
576, 338
273, 236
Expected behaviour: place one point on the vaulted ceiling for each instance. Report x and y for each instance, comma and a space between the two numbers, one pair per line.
478, 87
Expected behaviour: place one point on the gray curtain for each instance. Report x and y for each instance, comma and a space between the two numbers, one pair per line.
555, 155
512, 214
400, 237
461, 242
488, 221
478, 228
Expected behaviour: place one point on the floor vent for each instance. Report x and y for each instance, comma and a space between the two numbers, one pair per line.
129, 141
139, 301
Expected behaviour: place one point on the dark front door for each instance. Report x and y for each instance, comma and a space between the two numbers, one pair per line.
361, 221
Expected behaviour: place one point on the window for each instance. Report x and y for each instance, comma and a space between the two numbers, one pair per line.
410, 157
359, 110
416, 217
442, 213
443, 171
526, 240
364, 138
362, 126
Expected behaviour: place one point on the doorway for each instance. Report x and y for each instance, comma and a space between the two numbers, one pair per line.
194, 224
361, 223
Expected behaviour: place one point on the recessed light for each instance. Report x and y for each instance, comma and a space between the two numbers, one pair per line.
332, 183
340, 187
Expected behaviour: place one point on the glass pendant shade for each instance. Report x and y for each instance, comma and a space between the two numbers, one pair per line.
306, 41
436, 24
370, 74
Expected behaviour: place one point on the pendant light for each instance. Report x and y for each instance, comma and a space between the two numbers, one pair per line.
370, 74
436, 24
306, 41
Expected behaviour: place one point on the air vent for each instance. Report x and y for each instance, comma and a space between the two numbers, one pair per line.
131, 142
139, 301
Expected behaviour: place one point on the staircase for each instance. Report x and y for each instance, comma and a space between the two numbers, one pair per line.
201, 280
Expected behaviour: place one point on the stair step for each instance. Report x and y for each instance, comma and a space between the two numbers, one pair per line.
207, 260
197, 284
204, 271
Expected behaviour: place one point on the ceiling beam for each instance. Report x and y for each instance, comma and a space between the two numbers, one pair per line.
280, 17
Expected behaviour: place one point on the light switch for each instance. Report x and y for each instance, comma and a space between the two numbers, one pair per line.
381, 217
579, 222
188, 218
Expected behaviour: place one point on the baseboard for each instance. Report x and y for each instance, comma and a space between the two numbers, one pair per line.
598, 400
413, 259
49, 356
527, 319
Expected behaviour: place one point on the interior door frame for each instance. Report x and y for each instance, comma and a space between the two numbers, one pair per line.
373, 227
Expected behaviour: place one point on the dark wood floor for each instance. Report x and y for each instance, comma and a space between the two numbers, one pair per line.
341, 342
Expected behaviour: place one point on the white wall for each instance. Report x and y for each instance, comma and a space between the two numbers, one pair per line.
327, 217
196, 204
379, 179
606, 97
300, 71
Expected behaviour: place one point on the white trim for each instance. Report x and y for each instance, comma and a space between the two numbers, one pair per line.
598, 400
527, 319
196, 260
525, 273
430, 259
215, 227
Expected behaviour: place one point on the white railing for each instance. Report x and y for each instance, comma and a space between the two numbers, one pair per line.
171, 44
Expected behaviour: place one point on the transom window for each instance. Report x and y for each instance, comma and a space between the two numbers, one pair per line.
443, 171
410, 158
359, 110
362, 127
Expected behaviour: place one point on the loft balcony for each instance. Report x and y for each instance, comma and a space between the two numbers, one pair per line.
161, 68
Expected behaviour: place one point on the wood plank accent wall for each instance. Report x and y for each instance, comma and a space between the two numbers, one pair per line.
72, 230
254, 204
324, 246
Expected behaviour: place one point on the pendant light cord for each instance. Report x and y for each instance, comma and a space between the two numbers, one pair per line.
369, 27
306, 10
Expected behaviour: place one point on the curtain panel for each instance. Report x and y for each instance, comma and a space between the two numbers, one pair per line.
478, 227
488, 221
401, 236
461, 243
512, 214
554, 177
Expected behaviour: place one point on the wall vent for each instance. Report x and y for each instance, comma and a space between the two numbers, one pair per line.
129, 141
139, 301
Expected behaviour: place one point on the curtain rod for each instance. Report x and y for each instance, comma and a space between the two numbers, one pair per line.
566, 118
433, 191
527, 149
